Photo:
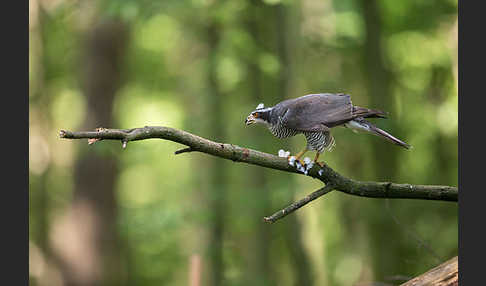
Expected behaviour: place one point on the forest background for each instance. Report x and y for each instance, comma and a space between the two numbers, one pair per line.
142, 216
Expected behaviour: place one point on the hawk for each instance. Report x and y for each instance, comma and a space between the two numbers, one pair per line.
314, 115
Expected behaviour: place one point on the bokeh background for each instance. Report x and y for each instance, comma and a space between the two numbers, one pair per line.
103, 215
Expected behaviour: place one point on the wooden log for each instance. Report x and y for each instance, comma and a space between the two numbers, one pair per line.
445, 274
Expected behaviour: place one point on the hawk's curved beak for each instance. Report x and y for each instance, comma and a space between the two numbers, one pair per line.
250, 120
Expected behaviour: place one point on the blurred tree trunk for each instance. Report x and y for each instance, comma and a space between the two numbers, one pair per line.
287, 37
385, 155
279, 39
262, 273
438, 94
378, 82
39, 101
217, 170
87, 236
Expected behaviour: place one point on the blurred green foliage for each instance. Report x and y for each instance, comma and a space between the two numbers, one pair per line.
164, 200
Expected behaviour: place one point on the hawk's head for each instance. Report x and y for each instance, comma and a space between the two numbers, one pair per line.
259, 115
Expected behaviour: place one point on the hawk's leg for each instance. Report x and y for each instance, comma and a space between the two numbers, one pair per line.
322, 164
297, 157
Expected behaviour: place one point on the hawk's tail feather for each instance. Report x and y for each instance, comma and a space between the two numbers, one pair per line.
365, 112
390, 137
364, 125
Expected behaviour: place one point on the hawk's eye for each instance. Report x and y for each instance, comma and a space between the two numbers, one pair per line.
255, 114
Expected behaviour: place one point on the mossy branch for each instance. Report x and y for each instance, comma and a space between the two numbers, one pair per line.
332, 179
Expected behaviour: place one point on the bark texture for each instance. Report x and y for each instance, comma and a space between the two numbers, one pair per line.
446, 274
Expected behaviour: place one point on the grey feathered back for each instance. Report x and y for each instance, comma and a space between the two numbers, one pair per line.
319, 112
315, 112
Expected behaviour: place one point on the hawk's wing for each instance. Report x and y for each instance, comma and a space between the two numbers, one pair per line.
316, 112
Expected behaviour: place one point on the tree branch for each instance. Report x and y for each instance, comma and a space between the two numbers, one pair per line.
240, 154
295, 206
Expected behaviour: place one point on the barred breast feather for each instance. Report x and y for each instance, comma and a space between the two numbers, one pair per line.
319, 141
